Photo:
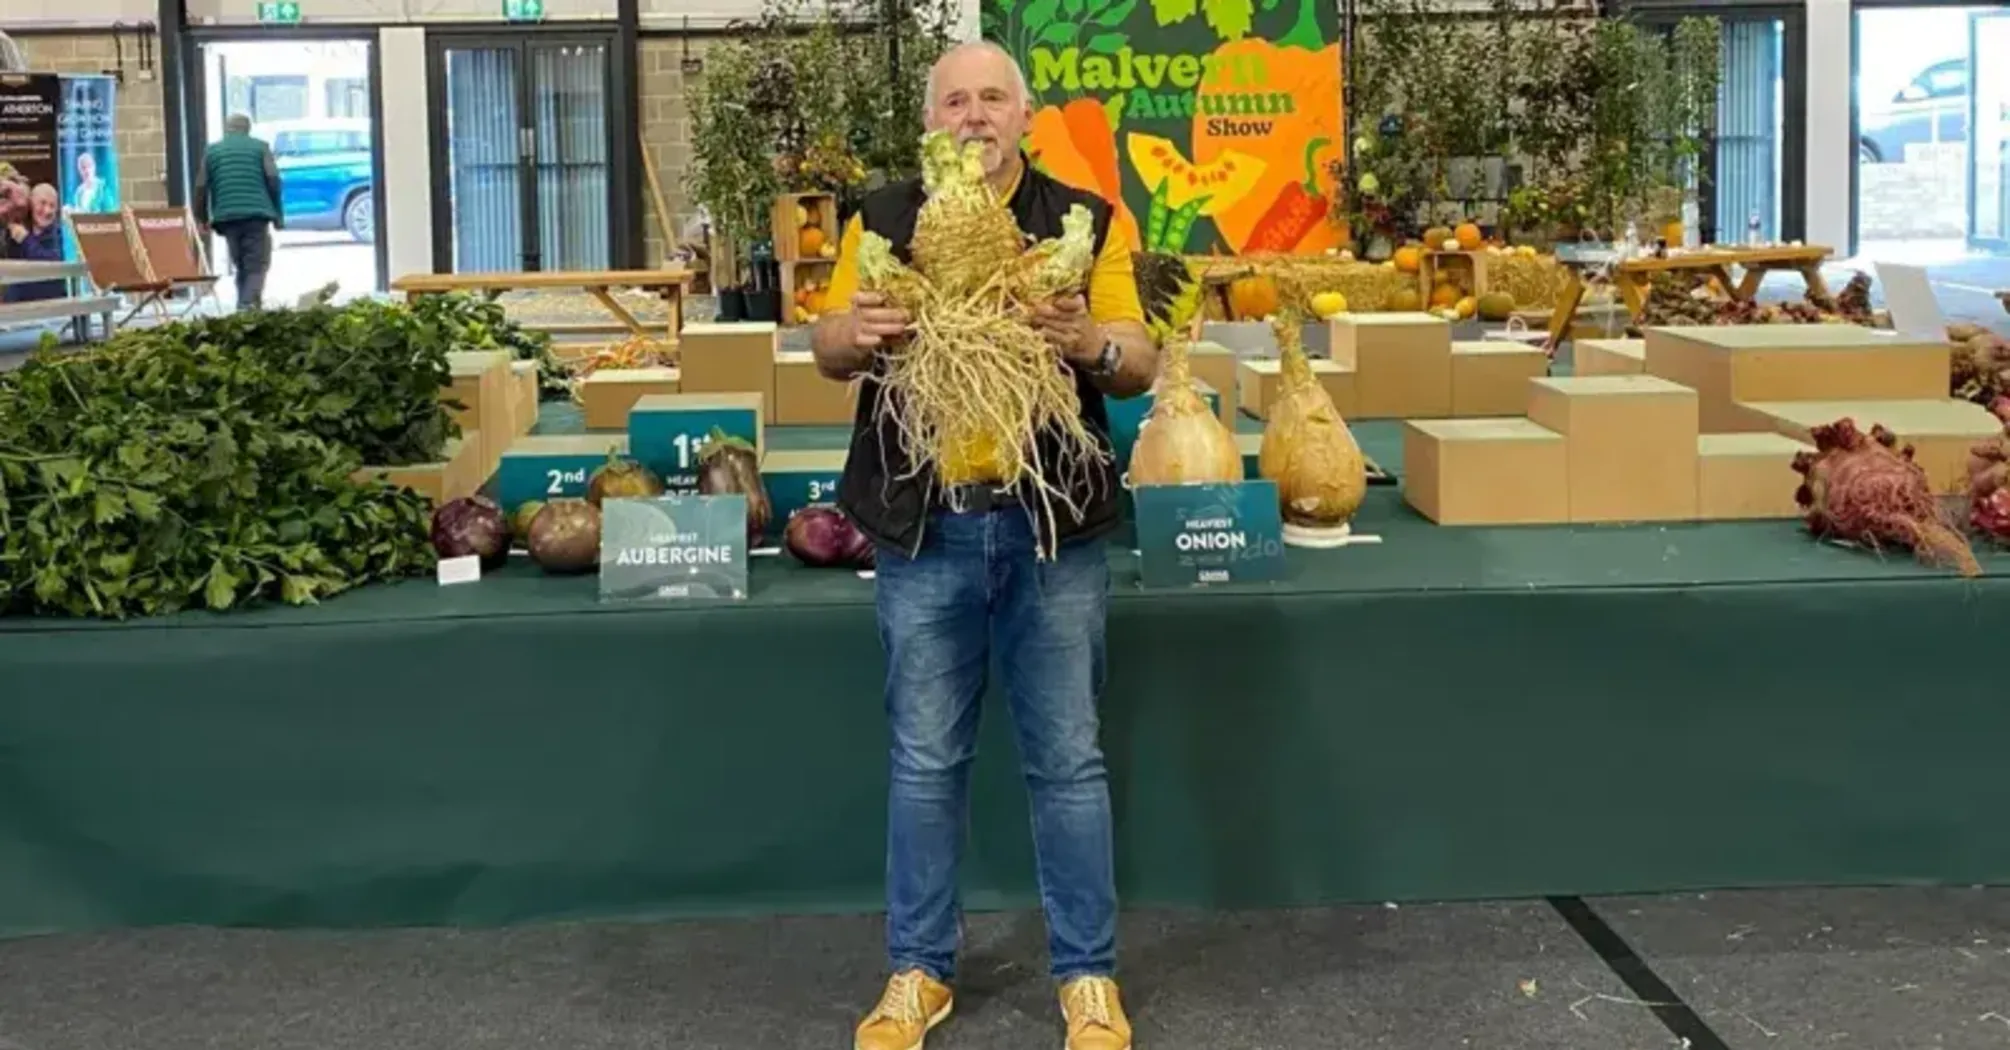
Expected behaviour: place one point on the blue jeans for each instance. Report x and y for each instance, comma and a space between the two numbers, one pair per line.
975, 583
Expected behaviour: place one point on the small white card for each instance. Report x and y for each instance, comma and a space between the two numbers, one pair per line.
465, 569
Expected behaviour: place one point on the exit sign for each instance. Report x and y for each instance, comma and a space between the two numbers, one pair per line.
279, 12
523, 10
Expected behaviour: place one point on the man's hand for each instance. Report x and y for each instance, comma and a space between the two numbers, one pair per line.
874, 322
1065, 322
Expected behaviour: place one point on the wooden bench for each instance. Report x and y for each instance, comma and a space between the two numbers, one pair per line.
75, 309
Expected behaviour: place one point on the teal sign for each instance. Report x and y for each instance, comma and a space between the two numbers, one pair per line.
1127, 418
669, 441
541, 468
673, 548
279, 13
791, 491
1193, 535
523, 10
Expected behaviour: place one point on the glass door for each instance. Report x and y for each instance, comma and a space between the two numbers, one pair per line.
1989, 141
522, 178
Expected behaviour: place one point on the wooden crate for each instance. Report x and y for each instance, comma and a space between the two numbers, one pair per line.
823, 214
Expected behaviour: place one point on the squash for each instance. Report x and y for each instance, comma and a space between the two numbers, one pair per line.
1252, 298
1495, 306
1405, 301
1437, 235
1446, 294
1409, 258
1468, 236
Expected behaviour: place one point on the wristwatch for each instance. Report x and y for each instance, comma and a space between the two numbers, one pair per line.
1107, 361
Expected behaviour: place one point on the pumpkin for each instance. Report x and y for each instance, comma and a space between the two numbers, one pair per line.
1252, 298
1436, 236
1409, 258
1467, 307
1444, 295
1468, 236
1329, 304
1302, 69
1406, 301
812, 241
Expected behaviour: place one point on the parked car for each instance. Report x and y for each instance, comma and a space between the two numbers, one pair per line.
325, 174
1932, 107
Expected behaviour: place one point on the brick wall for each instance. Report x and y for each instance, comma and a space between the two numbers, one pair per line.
666, 132
141, 132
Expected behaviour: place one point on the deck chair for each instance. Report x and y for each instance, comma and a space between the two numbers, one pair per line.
105, 242
169, 250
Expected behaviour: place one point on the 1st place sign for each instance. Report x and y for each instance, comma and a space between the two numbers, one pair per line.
279, 12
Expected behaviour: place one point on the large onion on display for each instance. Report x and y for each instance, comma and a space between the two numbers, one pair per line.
620, 478
819, 535
729, 464
1182, 442
565, 537
1307, 448
472, 526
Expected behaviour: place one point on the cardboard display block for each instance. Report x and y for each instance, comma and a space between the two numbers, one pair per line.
1402, 363
667, 432
607, 396
737, 358
1257, 383
1729, 364
1485, 472
457, 474
553, 466
524, 405
1490, 378
1608, 357
1630, 444
1746, 476
1940, 430
481, 382
804, 397
1215, 365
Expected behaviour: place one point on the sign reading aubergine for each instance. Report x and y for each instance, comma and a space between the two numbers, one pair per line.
1209, 125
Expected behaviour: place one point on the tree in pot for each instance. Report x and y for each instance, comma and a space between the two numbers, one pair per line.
732, 169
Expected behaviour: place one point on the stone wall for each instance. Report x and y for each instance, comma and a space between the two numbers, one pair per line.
1923, 197
141, 131
666, 132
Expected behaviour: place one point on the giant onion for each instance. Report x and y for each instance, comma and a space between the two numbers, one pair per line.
1307, 449
1182, 442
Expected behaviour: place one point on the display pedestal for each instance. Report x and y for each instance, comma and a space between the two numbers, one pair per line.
1323, 538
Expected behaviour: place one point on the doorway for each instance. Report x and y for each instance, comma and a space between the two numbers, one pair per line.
312, 100
1932, 124
522, 147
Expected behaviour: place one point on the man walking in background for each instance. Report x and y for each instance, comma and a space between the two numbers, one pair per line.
237, 195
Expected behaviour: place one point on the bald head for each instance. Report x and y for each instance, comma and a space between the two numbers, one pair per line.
979, 92
237, 124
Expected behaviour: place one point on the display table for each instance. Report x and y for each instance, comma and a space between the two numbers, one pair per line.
1454, 713
668, 284
1633, 276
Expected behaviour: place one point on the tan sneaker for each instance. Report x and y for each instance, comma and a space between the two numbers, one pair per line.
1095, 1015
912, 1004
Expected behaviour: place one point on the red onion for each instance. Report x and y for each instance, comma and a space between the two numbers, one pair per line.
820, 535
474, 525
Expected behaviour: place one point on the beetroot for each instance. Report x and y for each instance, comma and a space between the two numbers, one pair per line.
1989, 488
1869, 491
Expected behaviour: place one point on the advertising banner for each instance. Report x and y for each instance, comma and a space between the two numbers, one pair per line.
86, 144
1208, 124
31, 225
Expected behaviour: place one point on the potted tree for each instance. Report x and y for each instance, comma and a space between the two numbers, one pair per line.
732, 169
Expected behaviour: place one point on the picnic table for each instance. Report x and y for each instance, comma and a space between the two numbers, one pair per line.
1633, 276
76, 309
668, 284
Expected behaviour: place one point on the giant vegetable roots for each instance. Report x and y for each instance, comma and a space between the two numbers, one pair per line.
1868, 490
974, 387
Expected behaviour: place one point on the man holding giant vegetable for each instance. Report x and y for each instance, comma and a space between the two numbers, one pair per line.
979, 466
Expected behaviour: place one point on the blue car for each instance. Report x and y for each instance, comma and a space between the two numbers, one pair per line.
324, 174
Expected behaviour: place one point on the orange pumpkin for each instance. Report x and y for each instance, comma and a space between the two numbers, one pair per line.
1311, 80
1468, 236
811, 240
1409, 258
1445, 295
1252, 298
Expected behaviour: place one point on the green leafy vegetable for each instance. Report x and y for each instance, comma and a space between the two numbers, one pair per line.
473, 322
212, 463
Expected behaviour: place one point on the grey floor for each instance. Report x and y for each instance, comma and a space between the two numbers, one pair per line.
1814, 970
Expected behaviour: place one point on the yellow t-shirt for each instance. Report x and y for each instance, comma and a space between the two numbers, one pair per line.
1113, 296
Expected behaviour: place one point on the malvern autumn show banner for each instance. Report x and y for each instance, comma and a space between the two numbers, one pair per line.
1208, 124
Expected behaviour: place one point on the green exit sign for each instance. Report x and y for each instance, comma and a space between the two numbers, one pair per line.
279, 12
523, 10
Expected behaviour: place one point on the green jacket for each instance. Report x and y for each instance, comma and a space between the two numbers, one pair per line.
238, 179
